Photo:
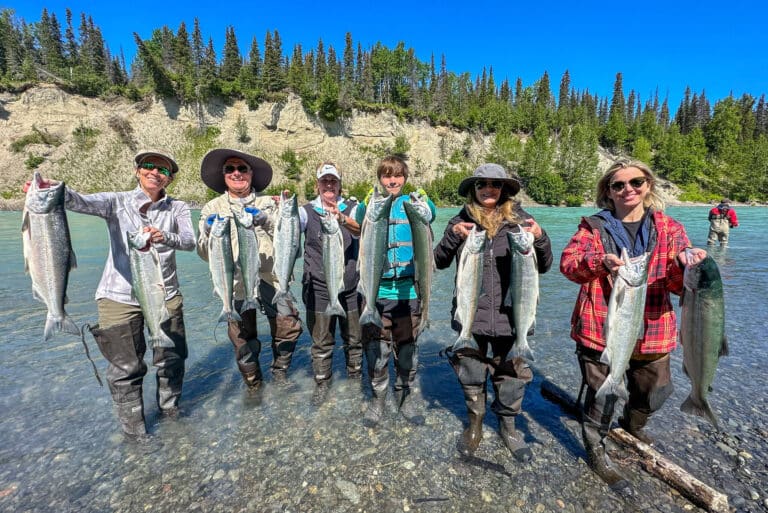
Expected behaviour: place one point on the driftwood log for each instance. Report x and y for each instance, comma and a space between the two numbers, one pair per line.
653, 462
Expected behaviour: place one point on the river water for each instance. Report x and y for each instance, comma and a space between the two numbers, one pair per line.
61, 450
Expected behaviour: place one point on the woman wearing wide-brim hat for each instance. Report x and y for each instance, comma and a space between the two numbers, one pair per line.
491, 207
239, 177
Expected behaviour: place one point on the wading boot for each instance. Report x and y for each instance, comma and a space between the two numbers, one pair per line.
131, 416
406, 405
320, 394
471, 437
599, 461
633, 421
375, 409
513, 440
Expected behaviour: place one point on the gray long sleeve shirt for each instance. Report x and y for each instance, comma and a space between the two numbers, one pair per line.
122, 212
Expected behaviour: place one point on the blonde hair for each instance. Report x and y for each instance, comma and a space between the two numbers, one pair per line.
603, 196
506, 210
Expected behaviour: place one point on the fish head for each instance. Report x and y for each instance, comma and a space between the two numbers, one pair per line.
41, 200
329, 223
475, 242
418, 207
289, 207
242, 218
703, 276
379, 207
220, 224
138, 239
521, 241
635, 269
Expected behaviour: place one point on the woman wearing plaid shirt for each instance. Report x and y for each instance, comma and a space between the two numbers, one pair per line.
631, 218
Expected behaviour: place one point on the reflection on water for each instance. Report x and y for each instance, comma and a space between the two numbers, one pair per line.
61, 449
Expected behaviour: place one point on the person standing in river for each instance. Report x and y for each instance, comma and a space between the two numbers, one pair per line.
120, 331
631, 219
398, 304
721, 219
491, 207
321, 325
239, 177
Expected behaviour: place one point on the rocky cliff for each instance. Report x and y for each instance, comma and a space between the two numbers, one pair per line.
89, 142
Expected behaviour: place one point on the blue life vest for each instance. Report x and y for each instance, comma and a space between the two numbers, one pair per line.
399, 244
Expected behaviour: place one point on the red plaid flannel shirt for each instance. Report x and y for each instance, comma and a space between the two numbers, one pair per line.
582, 262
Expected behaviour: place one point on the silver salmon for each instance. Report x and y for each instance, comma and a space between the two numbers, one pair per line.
523, 292
624, 324
333, 263
222, 266
469, 283
373, 254
286, 241
702, 334
417, 211
149, 286
48, 254
248, 258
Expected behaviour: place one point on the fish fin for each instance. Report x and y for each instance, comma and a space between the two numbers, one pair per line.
72, 259
69, 326
604, 358
54, 325
335, 308
524, 352
685, 370
724, 351
702, 409
37, 294
508, 298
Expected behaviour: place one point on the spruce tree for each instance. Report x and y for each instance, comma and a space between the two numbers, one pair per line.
231, 59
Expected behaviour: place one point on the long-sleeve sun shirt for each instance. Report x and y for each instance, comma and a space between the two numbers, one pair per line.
122, 212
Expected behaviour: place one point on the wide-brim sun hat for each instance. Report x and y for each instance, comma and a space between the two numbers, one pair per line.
141, 156
212, 169
491, 172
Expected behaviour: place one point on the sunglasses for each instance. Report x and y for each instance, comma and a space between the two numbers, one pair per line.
229, 168
160, 169
635, 183
496, 184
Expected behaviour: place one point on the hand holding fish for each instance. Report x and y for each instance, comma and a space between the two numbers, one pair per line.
463, 229
156, 236
612, 262
691, 256
532, 226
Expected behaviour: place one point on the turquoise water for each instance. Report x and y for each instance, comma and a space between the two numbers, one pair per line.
60, 448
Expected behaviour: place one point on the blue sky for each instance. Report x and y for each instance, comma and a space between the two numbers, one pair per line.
717, 47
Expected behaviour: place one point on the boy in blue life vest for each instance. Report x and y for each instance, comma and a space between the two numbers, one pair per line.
398, 304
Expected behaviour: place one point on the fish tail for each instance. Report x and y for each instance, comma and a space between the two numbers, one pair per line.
283, 295
161, 340
335, 308
465, 343
232, 315
700, 409
611, 387
59, 324
521, 349
249, 304
370, 316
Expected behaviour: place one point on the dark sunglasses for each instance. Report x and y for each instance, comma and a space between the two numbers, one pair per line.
635, 183
160, 169
496, 184
229, 168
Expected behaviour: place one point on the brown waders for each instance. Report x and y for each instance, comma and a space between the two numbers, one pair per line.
649, 385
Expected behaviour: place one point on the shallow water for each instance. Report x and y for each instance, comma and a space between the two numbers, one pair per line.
61, 450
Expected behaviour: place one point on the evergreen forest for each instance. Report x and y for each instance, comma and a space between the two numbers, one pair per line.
548, 134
